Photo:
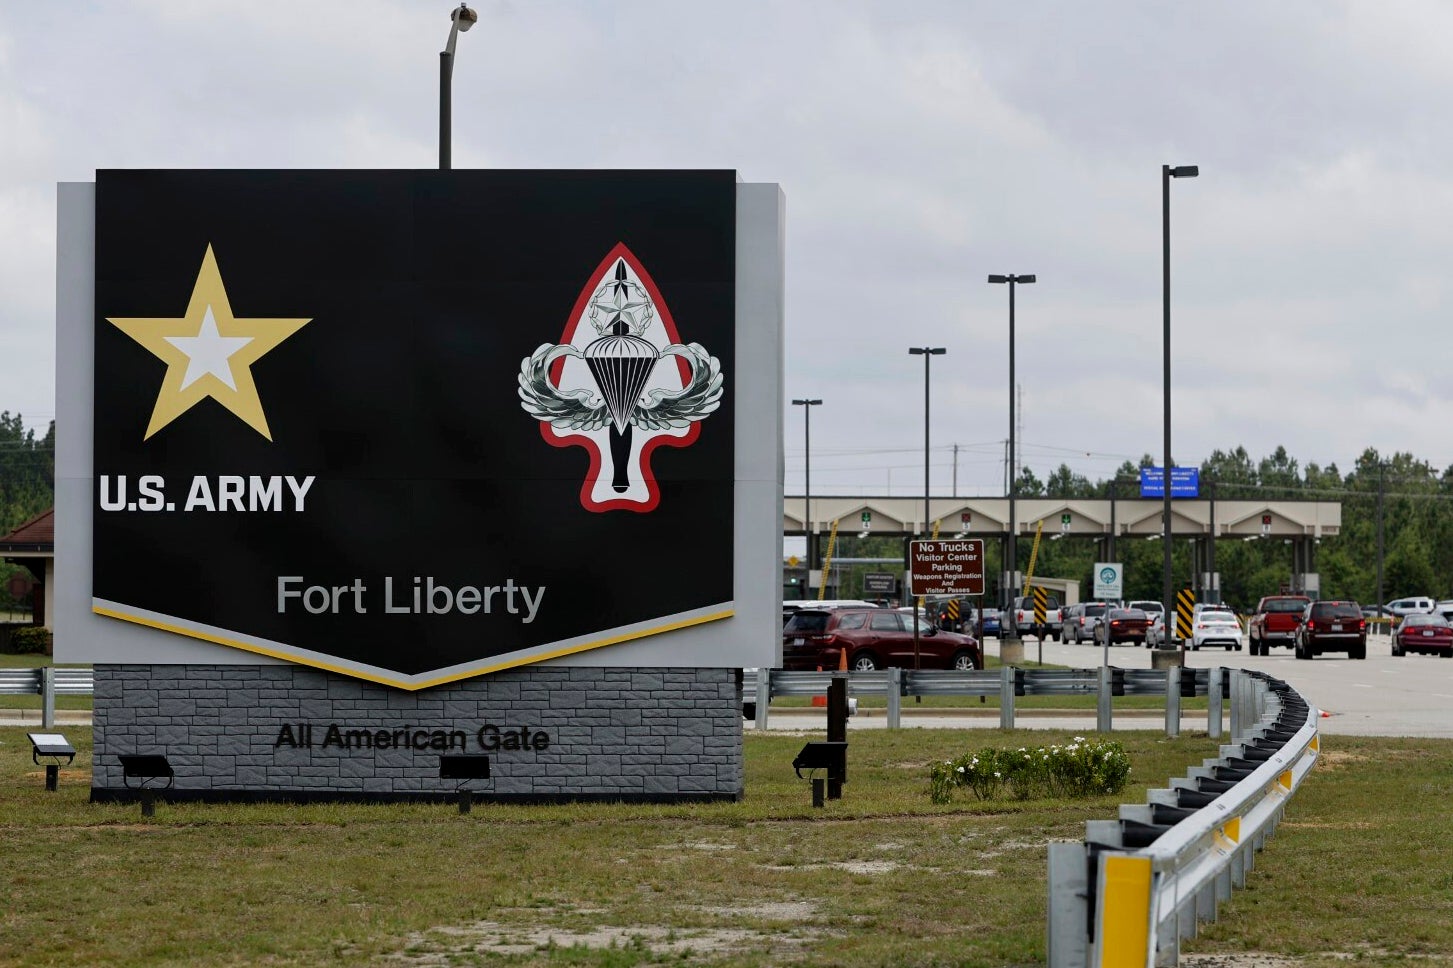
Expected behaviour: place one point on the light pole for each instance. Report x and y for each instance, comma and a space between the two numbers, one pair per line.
807, 406
1010, 558
460, 20
926, 352
1167, 172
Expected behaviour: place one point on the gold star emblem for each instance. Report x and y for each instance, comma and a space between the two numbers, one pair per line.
208, 352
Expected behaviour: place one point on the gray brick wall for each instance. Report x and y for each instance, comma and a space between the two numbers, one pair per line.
655, 734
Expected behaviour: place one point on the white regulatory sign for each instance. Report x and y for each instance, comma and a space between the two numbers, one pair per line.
1109, 579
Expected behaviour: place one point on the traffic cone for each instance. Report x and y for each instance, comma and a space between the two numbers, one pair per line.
819, 700
842, 660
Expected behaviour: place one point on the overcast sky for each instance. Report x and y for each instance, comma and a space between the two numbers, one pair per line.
920, 146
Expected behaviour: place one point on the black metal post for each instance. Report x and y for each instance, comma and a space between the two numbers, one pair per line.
1011, 564
460, 20
446, 72
1167, 599
1166, 174
807, 406
926, 352
1381, 465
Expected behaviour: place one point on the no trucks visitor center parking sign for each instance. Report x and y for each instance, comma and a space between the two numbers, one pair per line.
414, 426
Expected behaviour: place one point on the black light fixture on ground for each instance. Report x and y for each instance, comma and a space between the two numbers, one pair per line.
461, 20
926, 352
1011, 564
1167, 172
807, 406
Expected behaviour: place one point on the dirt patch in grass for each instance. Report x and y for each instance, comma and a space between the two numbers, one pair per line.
1250, 959
444, 945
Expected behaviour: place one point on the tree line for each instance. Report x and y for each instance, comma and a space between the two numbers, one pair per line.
27, 482
1416, 502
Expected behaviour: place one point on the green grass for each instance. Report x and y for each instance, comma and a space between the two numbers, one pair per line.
1362, 865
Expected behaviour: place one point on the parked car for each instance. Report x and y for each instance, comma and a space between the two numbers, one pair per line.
791, 608
1021, 618
992, 622
872, 638
1123, 625
1331, 626
1216, 626
1275, 622
1155, 633
1148, 607
1080, 621
1428, 634
1418, 604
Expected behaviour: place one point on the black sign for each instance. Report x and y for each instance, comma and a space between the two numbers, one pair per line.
879, 582
414, 425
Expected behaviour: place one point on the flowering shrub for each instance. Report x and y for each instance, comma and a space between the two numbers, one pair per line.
1079, 769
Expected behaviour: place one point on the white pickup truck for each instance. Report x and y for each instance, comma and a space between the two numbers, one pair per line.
1021, 618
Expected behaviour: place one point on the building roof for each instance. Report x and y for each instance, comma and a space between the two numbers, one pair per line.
37, 534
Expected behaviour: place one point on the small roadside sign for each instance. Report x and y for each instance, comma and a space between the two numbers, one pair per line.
1109, 580
880, 582
953, 568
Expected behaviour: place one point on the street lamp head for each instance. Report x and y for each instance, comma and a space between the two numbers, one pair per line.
1025, 279
998, 278
464, 18
1185, 171
926, 350
806, 403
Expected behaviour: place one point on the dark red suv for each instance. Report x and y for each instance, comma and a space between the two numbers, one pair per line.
1332, 627
873, 638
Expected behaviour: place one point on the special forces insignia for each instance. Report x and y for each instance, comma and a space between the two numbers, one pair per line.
609, 387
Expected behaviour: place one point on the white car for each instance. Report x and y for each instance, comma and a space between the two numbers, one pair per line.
1216, 626
1407, 606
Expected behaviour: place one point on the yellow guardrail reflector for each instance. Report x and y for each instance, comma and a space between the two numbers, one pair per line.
1232, 830
1125, 913
1315, 744
1285, 779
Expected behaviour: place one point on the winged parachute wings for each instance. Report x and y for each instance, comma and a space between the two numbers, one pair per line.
565, 409
658, 409
663, 409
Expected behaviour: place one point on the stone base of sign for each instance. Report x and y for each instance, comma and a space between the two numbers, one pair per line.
1011, 652
246, 732
1167, 658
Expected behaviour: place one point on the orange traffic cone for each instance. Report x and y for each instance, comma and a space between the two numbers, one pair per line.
819, 700
842, 660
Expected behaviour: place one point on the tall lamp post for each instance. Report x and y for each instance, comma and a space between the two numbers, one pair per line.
1167, 172
926, 352
807, 406
1010, 562
461, 20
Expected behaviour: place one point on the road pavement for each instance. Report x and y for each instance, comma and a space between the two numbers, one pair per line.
1377, 696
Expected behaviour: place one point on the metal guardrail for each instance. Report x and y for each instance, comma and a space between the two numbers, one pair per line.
760, 686
47, 682
1140, 884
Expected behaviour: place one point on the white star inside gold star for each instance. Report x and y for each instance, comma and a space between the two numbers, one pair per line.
208, 352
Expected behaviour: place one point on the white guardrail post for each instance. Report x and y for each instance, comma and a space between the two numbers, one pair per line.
1215, 696
1173, 701
1138, 885
1006, 697
47, 697
895, 698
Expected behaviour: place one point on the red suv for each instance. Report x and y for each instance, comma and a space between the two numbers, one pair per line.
873, 638
1332, 627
